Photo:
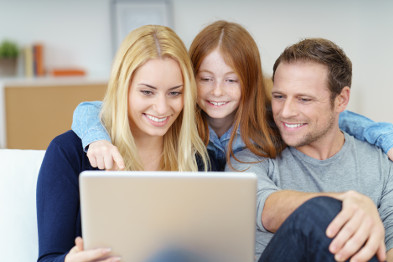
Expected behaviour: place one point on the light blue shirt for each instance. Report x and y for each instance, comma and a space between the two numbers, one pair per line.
87, 125
379, 134
219, 146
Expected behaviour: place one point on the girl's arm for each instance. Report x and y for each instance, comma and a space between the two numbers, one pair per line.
87, 125
379, 134
95, 139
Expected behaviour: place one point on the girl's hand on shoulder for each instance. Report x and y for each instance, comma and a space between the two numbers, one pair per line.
390, 154
104, 155
78, 254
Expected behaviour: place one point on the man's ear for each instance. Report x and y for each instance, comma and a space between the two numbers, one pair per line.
342, 100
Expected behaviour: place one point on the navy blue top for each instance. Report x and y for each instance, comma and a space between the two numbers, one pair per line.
58, 210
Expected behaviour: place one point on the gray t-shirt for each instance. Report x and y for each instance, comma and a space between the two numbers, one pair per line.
358, 166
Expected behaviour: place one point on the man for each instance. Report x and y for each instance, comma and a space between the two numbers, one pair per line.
352, 180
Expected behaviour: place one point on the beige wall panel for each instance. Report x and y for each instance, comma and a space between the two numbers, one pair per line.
36, 114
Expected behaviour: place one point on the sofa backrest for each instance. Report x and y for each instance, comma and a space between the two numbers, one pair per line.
18, 220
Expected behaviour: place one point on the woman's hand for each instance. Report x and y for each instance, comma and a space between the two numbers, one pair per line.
78, 254
104, 155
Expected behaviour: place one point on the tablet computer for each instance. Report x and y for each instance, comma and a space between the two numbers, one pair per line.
139, 214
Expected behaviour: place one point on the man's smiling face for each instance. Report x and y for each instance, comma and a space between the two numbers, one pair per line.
301, 103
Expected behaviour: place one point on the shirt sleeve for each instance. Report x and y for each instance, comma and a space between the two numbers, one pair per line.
263, 168
87, 125
379, 134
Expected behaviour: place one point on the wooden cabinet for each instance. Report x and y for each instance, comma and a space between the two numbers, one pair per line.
36, 111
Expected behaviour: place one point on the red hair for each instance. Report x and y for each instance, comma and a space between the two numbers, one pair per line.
253, 115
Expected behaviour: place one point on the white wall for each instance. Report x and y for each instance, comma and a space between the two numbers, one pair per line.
77, 32
74, 33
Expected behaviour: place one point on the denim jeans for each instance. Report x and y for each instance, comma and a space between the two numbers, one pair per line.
302, 236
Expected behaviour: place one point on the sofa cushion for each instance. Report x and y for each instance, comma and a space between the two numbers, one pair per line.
18, 220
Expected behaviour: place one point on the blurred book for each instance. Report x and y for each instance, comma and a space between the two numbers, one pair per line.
34, 64
38, 52
28, 59
34, 60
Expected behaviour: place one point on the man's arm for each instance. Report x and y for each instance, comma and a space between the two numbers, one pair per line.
356, 231
385, 207
280, 204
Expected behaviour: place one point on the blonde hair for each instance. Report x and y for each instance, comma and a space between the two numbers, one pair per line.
182, 142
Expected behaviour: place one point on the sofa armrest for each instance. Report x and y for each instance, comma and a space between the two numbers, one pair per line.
18, 220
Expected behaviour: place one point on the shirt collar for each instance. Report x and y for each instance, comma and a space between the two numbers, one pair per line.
222, 142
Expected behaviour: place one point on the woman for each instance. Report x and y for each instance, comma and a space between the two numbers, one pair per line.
233, 109
149, 110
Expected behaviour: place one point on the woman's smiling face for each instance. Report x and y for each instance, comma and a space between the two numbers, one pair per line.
155, 97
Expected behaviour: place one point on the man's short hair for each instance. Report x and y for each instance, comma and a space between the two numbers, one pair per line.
324, 52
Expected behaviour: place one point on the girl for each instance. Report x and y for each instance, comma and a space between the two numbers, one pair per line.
233, 108
149, 110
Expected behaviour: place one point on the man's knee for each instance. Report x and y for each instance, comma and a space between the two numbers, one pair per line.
303, 235
326, 205
318, 212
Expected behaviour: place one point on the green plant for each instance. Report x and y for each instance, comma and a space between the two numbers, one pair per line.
8, 49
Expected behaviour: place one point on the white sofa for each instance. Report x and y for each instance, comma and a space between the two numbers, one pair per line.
18, 221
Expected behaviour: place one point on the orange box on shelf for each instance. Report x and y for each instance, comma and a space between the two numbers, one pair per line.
68, 72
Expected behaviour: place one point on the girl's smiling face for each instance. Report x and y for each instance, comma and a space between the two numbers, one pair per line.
219, 89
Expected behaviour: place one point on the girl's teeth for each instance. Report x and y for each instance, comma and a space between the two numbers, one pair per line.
155, 119
218, 103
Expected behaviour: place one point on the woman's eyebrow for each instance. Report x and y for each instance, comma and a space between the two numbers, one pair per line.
155, 88
147, 85
175, 87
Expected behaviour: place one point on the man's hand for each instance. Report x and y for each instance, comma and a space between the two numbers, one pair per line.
389, 255
77, 254
390, 154
357, 230
104, 155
